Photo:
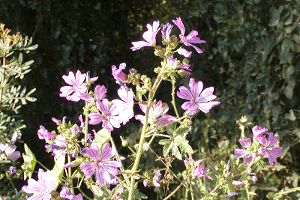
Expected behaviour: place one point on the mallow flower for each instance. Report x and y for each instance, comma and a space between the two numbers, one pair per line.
76, 86
191, 39
109, 115
44, 134
42, 188
157, 114
245, 153
198, 99
125, 104
269, 148
118, 73
101, 164
149, 37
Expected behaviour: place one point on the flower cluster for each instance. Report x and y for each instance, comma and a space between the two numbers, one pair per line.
264, 144
92, 156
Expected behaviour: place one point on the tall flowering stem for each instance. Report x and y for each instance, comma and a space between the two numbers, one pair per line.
143, 134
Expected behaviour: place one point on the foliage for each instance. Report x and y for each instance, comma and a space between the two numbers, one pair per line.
13, 95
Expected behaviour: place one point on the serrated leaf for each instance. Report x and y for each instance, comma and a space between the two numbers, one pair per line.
29, 162
167, 147
184, 146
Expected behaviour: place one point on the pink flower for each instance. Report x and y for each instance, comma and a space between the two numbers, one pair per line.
166, 31
108, 115
149, 36
118, 74
76, 86
269, 148
125, 105
99, 94
258, 131
201, 171
246, 154
156, 179
191, 38
197, 99
42, 188
44, 134
9, 150
157, 114
101, 164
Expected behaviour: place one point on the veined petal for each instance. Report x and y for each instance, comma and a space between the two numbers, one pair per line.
138, 45
246, 142
184, 93
240, 153
178, 22
195, 87
95, 118
66, 91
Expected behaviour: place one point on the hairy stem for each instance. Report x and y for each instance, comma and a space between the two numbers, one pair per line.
173, 98
2, 78
143, 135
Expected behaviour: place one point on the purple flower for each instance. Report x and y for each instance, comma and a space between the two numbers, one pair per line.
42, 188
99, 94
12, 170
156, 179
66, 193
258, 131
197, 99
101, 164
149, 36
238, 183
166, 31
125, 105
109, 115
9, 152
173, 63
76, 86
191, 38
75, 129
246, 154
269, 148
118, 74
201, 171
44, 134
59, 146
157, 114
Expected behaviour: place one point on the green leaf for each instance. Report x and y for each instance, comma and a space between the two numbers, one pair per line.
29, 162
58, 168
102, 137
184, 146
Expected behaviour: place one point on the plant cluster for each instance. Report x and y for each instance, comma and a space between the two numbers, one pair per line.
88, 163
13, 95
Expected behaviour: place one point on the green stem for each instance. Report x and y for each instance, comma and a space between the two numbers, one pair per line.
70, 178
86, 127
119, 160
143, 135
42, 165
2, 78
191, 189
173, 98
